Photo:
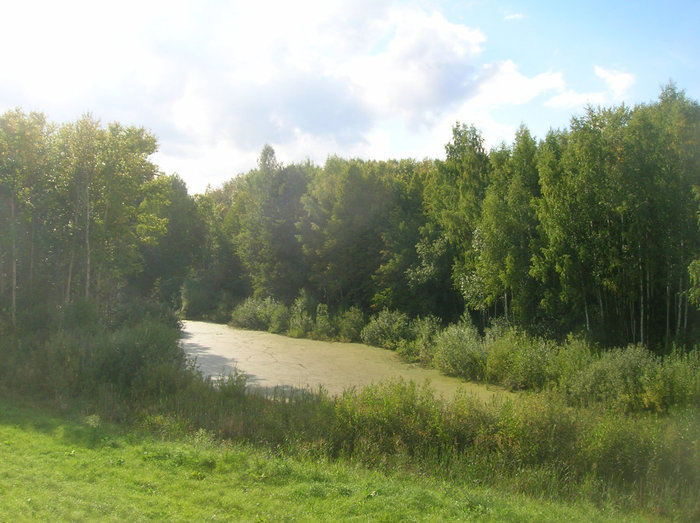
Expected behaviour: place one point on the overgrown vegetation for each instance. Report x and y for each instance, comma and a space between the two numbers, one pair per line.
565, 268
560, 444
629, 379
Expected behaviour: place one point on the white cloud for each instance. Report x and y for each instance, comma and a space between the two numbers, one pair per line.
515, 16
503, 84
427, 65
617, 81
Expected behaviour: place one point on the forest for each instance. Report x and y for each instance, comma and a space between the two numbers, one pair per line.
592, 230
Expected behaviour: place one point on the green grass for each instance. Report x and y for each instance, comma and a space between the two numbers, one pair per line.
76, 467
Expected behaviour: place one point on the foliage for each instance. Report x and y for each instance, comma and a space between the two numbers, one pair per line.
255, 314
420, 345
279, 319
460, 351
301, 320
350, 324
171, 477
133, 370
386, 329
323, 327
518, 361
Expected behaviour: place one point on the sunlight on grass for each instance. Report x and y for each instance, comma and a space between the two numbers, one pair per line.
56, 468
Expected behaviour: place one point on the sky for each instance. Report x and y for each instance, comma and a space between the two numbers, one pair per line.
217, 80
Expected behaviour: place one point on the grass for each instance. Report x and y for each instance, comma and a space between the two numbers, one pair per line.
71, 467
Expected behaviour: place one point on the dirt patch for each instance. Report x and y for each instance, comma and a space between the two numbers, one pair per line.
270, 360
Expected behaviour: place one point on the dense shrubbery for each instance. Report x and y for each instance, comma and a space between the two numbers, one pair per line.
419, 346
131, 349
386, 329
626, 379
255, 314
350, 325
459, 351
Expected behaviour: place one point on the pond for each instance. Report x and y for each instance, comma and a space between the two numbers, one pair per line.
270, 360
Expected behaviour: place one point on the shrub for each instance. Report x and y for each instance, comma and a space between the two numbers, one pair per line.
518, 361
279, 319
301, 322
323, 328
616, 379
133, 357
568, 359
459, 351
386, 329
350, 325
393, 417
254, 314
674, 382
420, 346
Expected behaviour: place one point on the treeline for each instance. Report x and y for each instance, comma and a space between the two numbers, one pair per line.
593, 229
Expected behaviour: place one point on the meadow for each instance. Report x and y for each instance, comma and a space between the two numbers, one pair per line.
69, 467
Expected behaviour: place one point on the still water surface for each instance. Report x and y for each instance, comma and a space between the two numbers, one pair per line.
271, 360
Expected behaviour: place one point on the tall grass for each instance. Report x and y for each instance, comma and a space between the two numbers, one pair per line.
557, 444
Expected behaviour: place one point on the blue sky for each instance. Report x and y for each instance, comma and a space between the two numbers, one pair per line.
217, 80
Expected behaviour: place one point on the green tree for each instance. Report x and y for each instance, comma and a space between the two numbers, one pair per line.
24, 154
506, 232
268, 206
453, 198
346, 209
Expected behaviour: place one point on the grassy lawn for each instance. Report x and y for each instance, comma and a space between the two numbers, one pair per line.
68, 467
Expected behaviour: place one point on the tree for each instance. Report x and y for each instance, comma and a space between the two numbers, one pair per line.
454, 196
346, 208
23, 159
506, 233
268, 206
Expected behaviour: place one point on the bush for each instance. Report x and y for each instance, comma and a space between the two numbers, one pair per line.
386, 329
568, 359
674, 382
323, 328
301, 322
459, 351
616, 379
254, 314
420, 346
279, 319
350, 325
133, 357
518, 361
133, 310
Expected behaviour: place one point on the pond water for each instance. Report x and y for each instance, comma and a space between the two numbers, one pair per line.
271, 360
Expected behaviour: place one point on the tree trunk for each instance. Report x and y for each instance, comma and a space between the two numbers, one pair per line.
679, 314
641, 306
87, 240
70, 276
13, 253
31, 255
668, 308
2, 272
